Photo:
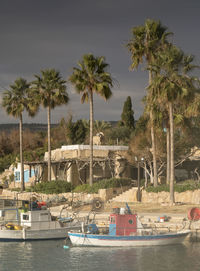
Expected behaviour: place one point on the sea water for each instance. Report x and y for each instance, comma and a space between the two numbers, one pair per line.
52, 256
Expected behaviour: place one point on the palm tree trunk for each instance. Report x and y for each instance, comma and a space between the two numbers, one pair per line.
172, 200
168, 155
21, 153
91, 138
49, 142
153, 142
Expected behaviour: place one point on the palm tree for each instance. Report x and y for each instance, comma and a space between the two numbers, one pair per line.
98, 125
49, 90
146, 42
172, 85
16, 101
91, 77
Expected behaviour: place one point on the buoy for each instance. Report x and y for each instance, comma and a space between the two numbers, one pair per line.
65, 247
194, 214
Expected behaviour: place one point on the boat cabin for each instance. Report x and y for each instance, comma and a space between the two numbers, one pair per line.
123, 224
40, 219
34, 215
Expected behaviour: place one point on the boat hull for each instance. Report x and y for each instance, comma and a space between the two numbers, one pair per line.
31, 235
81, 239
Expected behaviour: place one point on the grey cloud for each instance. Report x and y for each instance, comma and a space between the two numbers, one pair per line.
43, 34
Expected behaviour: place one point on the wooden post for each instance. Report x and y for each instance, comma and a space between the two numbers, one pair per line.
138, 183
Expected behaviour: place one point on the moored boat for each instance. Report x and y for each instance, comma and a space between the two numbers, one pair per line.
31, 221
125, 230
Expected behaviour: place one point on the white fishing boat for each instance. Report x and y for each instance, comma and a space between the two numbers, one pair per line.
125, 230
33, 222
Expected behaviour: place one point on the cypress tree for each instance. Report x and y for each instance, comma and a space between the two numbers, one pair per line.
127, 116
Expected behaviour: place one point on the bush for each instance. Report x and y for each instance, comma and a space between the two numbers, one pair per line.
157, 189
53, 187
103, 184
188, 185
6, 161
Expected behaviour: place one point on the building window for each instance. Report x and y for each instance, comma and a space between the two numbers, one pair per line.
25, 217
17, 176
112, 220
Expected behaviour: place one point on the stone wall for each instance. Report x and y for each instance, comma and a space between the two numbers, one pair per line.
190, 197
7, 194
104, 194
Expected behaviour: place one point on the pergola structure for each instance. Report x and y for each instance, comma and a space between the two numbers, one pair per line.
71, 163
66, 164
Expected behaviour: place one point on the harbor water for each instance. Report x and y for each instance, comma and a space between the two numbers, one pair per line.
52, 256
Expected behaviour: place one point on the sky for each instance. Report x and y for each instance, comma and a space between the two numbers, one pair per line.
41, 34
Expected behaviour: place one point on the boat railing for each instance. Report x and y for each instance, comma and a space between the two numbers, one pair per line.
38, 225
41, 225
124, 231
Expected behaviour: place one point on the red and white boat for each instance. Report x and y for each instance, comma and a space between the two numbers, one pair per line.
125, 230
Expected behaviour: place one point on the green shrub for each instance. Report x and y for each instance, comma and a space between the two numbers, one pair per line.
103, 184
53, 187
6, 161
188, 185
157, 189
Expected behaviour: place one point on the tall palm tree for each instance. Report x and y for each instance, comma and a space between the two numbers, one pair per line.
91, 77
172, 85
49, 90
16, 101
144, 45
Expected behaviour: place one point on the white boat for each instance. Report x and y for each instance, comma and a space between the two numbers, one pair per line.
18, 224
125, 230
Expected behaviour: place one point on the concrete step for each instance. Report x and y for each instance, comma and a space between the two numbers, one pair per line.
126, 196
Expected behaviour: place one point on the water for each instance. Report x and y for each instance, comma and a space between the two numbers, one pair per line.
51, 256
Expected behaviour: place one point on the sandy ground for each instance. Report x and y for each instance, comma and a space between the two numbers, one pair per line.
155, 208
140, 208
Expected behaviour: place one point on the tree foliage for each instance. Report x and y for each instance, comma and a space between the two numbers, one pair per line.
49, 90
92, 77
127, 116
75, 132
15, 102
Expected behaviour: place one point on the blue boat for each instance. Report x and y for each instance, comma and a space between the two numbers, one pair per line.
125, 230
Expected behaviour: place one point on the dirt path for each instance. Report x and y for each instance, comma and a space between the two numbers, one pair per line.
145, 208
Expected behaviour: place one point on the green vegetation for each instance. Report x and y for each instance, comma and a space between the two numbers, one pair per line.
15, 102
171, 101
34, 147
180, 187
53, 187
56, 187
146, 42
127, 116
162, 138
49, 90
75, 131
6, 161
92, 77
103, 184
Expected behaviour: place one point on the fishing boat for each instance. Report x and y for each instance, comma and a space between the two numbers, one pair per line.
31, 221
125, 230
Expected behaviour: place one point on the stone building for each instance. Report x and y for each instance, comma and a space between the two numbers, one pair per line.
71, 163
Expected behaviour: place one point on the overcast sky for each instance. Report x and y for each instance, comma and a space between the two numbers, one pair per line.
40, 34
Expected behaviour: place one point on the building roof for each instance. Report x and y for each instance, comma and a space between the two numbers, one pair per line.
95, 147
